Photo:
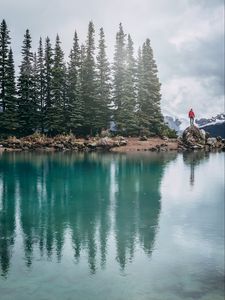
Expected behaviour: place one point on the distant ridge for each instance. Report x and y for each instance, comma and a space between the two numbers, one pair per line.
214, 125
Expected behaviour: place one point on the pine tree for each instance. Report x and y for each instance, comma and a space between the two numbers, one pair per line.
11, 109
40, 86
27, 106
47, 77
150, 116
58, 89
88, 83
35, 94
4, 53
140, 91
119, 74
103, 86
128, 113
74, 108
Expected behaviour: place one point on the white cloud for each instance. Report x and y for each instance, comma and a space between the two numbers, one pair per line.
197, 25
179, 94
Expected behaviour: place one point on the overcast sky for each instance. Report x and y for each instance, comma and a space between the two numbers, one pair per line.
187, 37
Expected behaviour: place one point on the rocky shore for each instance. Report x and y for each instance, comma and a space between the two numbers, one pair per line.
192, 139
38, 142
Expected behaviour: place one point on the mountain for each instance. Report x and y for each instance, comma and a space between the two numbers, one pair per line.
219, 119
176, 124
215, 125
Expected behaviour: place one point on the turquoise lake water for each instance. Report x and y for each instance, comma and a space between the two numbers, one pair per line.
112, 226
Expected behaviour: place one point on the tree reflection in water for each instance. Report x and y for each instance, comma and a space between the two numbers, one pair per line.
92, 196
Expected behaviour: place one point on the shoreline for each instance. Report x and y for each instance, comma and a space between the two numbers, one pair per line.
38, 143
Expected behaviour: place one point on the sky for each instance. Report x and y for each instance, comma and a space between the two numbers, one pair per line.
187, 37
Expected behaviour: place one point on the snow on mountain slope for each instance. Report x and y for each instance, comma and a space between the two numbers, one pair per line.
215, 125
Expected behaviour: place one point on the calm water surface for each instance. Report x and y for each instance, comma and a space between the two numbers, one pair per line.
107, 226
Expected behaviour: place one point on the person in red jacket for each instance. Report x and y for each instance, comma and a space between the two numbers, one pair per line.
191, 115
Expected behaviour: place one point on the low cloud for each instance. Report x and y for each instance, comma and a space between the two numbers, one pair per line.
196, 25
182, 93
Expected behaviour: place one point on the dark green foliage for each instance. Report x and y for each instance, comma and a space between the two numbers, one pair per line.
10, 115
4, 53
88, 83
74, 107
168, 132
26, 93
149, 97
119, 74
85, 96
58, 90
47, 76
103, 86
128, 110
40, 86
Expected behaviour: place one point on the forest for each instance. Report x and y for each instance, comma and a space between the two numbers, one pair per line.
83, 94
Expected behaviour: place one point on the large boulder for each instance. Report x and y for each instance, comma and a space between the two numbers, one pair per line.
193, 137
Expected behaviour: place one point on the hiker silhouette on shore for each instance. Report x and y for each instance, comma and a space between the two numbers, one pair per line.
191, 115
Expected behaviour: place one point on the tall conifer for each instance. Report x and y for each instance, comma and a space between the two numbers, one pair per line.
128, 114
47, 77
103, 85
119, 74
26, 88
4, 53
11, 109
74, 104
58, 89
149, 113
40, 86
88, 84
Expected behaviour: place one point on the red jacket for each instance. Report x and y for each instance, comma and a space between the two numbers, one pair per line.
191, 114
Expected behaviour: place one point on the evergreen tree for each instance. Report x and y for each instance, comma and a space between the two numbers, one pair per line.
88, 83
103, 86
10, 115
4, 53
47, 89
35, 94
40, 86
149, 113
74, 108
119, 74
128, 112
26, 99
140, 90
58, 89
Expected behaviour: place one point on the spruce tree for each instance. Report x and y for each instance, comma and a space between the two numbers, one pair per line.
10, 115
4, 53
140, 92
149, 112
35, 94
26, 101
103, 86
74, 108
88, 83
40, 86
58, 89
47, 77
119, 74
128, 113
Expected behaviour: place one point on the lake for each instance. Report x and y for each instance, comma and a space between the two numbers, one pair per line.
112, 226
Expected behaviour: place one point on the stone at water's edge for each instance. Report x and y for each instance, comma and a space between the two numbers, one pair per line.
195, 138
61, 143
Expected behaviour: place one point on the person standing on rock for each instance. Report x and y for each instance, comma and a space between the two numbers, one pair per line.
191, 115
